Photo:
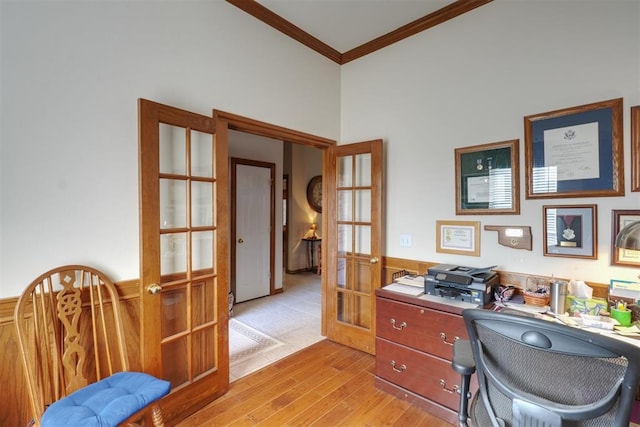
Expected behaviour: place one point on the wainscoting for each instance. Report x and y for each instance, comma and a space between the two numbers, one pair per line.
14, 410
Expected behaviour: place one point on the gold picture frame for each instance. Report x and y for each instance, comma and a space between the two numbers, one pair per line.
488, 179
458, 237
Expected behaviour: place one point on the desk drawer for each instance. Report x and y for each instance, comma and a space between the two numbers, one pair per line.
421, 328
419, 372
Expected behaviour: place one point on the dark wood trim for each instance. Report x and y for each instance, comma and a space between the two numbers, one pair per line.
635, 148
256, 127
279, 23
440, 16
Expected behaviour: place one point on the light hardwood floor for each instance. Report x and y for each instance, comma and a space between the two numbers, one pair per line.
326, 384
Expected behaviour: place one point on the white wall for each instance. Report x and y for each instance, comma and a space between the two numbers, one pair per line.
71, 75
305, 164
471, 81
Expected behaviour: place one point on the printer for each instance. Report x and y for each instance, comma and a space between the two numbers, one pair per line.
474, 285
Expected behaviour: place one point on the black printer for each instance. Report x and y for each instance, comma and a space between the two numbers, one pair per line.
474, 285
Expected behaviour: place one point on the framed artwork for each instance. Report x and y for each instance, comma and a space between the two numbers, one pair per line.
570, 231
487, 179
575, 152
620, 219
635, 148
458, 237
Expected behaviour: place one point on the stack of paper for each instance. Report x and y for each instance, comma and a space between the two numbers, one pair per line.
411, 280
404, 289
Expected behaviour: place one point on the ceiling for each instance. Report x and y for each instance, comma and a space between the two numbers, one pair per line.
344, 30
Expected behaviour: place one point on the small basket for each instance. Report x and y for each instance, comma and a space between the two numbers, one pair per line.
537, 299
533, 294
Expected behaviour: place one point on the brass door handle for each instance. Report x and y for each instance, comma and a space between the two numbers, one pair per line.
154, 289
374, 260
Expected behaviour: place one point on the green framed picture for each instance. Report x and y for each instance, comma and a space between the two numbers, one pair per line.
487, 179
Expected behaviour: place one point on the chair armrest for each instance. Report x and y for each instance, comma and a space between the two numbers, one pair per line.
463, 362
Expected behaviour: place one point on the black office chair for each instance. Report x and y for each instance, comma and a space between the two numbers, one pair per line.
533, 372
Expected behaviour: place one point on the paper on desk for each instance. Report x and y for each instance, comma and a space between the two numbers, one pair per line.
630, 331
404, 289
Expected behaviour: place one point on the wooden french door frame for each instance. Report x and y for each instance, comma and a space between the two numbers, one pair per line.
184, 311
353, 220
191, 397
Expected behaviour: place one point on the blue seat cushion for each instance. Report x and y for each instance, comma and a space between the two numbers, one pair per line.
107, 402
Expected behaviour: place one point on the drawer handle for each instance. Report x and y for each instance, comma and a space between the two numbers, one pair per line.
453, 390
443, 337
401, 369
401, 327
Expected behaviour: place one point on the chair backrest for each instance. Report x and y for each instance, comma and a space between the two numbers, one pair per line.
70, 333
533, 369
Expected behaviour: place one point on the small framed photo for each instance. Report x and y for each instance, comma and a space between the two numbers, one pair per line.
458, 237
570, 231
620, 219
487, 179
575, 152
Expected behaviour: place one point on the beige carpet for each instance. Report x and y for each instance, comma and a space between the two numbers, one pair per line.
292, 318
245, 341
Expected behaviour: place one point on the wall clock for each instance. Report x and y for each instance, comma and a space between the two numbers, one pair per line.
314, 193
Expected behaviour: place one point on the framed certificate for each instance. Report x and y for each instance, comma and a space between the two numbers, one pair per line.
458, 237
487, 179
570, 231
575, 152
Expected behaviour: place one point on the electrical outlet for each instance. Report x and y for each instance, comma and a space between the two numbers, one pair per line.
405, 240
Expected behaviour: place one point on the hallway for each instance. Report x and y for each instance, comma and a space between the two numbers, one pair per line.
292, 318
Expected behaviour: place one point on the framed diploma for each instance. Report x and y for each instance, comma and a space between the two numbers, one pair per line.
487, 179
458, 237
570, 231
575, 152
619, 219
635, 148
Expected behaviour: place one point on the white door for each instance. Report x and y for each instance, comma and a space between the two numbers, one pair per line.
253, 219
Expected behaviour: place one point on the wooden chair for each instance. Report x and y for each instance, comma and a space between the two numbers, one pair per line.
71, 338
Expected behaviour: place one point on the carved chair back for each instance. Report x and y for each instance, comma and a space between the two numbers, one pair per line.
70, 333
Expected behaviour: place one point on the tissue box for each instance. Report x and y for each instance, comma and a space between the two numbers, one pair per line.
591, 306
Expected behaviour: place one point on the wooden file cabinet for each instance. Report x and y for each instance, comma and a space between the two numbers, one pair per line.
414, 344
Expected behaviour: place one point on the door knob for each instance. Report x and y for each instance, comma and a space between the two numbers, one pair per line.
154, 289
240, 240
374, 260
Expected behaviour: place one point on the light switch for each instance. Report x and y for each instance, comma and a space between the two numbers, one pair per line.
405, 240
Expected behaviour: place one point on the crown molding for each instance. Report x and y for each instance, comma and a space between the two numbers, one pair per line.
444, 14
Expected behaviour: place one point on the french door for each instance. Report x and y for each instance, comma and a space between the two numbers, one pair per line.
184, 235
353, 249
